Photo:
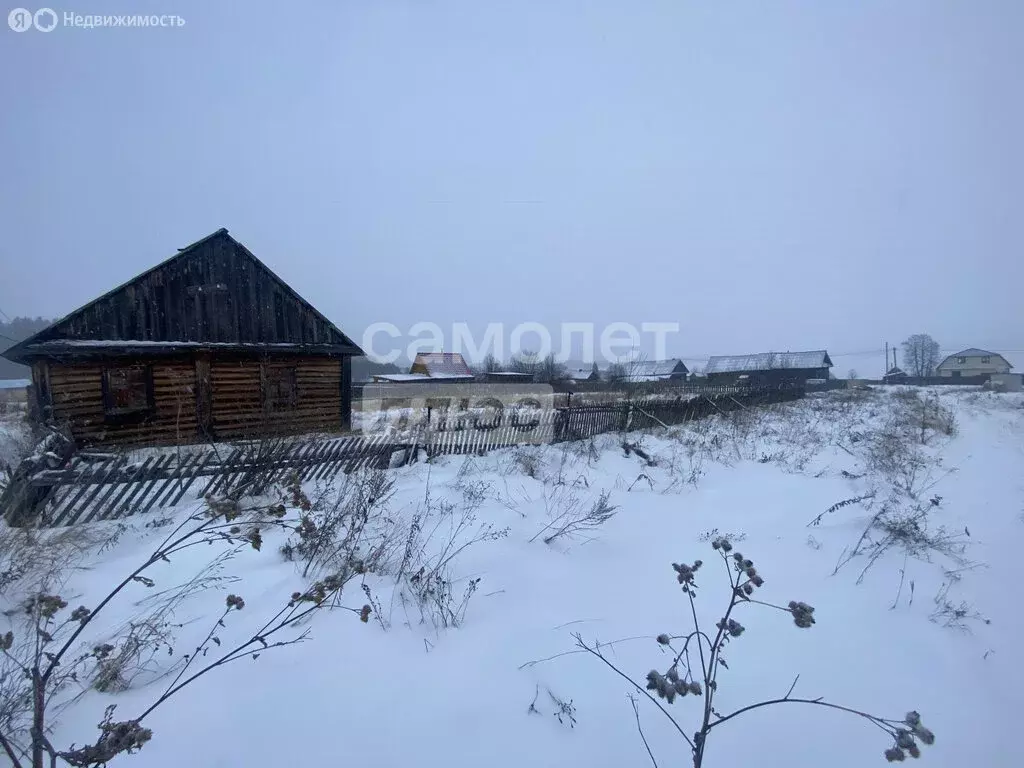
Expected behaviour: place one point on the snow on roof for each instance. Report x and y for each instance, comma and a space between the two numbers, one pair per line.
651, 370
103, 343
14, 383
766, 361
442, 364
401, 377
974, 352
406, 377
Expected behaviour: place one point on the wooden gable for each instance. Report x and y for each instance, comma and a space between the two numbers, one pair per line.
214, 292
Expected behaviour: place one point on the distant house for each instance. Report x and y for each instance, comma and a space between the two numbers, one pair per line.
768, 368
895, 375
656, 370
973, 362
14, 390
577, 371
431, 367
209, 344
399, 378
442, 365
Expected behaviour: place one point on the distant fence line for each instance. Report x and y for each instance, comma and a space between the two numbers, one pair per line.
934, 381
374, 391
89, 487
568, 390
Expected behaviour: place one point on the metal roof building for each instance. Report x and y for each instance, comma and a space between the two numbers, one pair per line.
766, 368
768, 361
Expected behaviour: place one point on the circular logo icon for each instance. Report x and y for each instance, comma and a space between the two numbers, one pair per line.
20, 20
45, 19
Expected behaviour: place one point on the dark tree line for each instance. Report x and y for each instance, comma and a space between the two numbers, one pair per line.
14, 330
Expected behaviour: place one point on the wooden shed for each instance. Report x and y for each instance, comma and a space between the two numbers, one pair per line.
769, 369
208, 345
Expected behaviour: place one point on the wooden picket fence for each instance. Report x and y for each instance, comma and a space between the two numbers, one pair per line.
470, 434
91, 487
107, 487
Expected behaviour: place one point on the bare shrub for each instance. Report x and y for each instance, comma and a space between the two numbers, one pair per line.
570, 516
563, 711
335, 529
133, 649
893, 455
585, 450
528, 462
908, 530
840, 504
41, 651
438, 532
696, 672
30, 557
953, 615
117, 668
692, 445
709, 536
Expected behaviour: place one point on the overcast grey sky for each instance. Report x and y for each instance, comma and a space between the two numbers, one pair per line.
769, 174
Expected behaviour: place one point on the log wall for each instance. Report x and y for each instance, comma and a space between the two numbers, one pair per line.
236, 409
76, 391
239, 409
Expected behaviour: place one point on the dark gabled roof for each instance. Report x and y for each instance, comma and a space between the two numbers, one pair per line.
767, 361
131, 318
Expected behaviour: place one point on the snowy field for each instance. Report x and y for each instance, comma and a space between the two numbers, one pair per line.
468, 657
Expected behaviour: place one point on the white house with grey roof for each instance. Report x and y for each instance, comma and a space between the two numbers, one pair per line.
973, 362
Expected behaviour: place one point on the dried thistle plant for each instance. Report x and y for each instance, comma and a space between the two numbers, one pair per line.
694, 671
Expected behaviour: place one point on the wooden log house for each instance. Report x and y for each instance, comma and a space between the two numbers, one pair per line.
208, 345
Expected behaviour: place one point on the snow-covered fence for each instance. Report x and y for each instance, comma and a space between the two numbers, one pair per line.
108, 486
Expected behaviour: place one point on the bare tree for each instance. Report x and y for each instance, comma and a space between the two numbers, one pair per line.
525, 361
851, 374
491, 364
920, 355
616, 372
550, 370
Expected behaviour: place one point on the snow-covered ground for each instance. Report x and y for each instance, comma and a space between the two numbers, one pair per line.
15, 435
404, 689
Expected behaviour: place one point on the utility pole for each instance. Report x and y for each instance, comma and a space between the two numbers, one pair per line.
886, 359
